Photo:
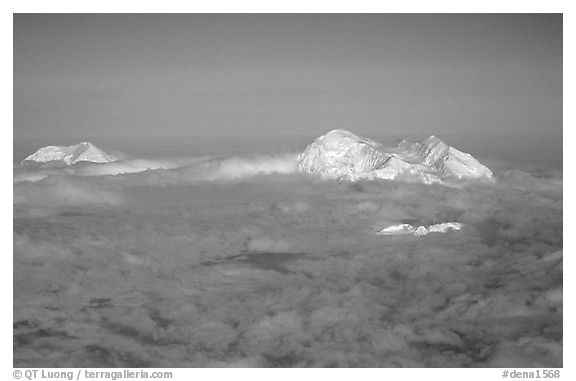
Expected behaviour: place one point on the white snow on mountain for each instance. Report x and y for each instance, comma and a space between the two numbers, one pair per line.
70, 155
405, 229
397, 229
340, 154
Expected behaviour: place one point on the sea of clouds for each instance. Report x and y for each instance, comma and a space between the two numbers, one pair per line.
243, 262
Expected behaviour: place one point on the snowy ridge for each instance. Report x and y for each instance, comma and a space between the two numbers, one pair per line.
70, 155
435, 153
341, 154
404, 229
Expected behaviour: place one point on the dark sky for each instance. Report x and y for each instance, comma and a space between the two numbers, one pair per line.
215, 75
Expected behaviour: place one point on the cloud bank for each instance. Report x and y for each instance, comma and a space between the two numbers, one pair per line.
212, 262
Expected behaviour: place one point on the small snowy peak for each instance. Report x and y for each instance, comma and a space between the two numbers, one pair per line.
70, 155
342, 155
407, 229
444, 227
398, 229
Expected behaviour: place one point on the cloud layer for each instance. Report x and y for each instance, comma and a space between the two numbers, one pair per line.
241, 262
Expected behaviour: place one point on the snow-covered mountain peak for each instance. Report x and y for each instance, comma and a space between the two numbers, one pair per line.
340, 154
404, 229
69, 155
340, 135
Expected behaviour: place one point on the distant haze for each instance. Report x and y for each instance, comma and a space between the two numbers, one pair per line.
87, 76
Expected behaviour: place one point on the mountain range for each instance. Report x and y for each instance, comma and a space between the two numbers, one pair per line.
340, 154
70, 155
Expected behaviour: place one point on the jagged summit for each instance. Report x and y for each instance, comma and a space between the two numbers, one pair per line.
69, 155
340, 154
435, 153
